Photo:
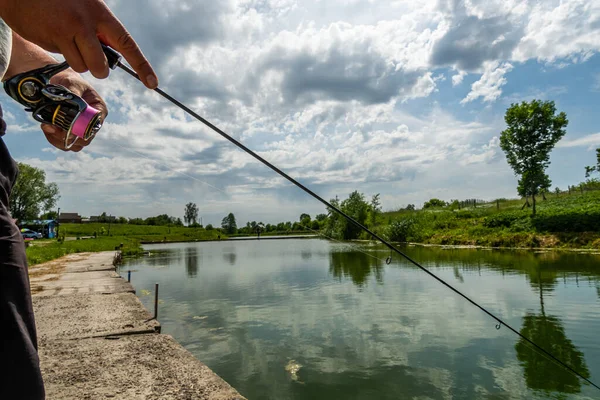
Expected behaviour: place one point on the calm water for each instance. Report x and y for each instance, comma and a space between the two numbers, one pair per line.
312, 319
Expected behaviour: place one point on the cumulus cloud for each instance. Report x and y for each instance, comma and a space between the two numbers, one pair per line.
490, 84
323, 94
458, 78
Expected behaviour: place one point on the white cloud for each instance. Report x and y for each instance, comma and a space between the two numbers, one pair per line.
322, 94
557, 30
592, 140
458, 78
490, 84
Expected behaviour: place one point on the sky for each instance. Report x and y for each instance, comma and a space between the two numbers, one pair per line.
401, 98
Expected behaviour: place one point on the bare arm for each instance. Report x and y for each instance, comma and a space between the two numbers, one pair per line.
26, 56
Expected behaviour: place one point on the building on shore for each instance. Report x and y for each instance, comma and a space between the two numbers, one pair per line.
69, 218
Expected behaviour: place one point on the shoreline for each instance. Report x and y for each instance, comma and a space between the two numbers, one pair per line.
97, 340
233, 239
481, 247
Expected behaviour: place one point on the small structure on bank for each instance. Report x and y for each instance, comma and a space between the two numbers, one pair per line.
47, 227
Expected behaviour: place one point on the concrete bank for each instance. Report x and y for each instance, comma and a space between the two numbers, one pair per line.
97, 341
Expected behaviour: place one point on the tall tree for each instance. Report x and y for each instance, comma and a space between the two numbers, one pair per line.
31, 194
533, 129
190, 216
356, 207
375, 210
229, 224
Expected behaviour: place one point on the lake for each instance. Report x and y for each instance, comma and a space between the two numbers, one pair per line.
314, 319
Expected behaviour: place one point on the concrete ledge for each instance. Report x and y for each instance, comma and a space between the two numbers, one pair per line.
96, 339
95, 315
148, 367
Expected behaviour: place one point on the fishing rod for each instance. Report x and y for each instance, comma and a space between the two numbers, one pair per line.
54, 104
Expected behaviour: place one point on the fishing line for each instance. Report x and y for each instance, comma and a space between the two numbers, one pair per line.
116, 61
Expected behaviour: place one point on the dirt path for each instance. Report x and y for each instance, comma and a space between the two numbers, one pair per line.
97, 341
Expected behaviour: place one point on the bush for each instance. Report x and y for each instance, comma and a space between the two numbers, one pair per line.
505, 219
583, 220
401, 230
434, 203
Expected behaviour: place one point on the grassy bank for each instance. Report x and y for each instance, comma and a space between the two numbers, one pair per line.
142, 233
47, 250
566, 220
104, 237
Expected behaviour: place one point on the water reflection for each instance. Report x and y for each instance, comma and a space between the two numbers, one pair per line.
409, 338
356, 265
191, 262
549, 266
229, 255
541, 373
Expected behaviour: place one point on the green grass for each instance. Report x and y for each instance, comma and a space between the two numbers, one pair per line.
46, 250
561, 221
130, 235
143, 233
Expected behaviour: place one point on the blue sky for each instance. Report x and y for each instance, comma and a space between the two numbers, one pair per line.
397, 98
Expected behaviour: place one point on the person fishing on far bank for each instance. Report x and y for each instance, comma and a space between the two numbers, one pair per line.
29, 29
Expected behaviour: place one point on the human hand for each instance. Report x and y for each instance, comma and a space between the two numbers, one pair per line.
75, 29
82, 88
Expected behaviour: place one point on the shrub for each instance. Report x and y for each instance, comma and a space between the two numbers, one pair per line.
505, 219
401, 230
434, 203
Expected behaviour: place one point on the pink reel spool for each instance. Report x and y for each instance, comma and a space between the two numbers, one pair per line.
85, 126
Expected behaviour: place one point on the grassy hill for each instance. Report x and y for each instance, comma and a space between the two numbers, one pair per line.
564, 220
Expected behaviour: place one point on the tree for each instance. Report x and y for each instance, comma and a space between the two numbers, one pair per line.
190, 215
209, 227
410, 207
434, 203
533, 129
31, 194
51, 215
595, 168
545, 185
356, 207
228, 224
304, 216
375, 210
321, 217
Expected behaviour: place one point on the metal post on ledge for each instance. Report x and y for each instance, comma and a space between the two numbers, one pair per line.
129, 276
156, 301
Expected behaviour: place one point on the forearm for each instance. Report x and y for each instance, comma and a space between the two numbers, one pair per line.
26, 56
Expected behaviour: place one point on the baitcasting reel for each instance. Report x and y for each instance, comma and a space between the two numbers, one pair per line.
55, 104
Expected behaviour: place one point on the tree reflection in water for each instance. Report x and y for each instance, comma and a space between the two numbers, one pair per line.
191, 262
356, 265
542, 373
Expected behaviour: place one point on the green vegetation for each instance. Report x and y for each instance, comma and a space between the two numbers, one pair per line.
533, 131
142, 233
229, 225
31, 194
563, 220
47, 250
